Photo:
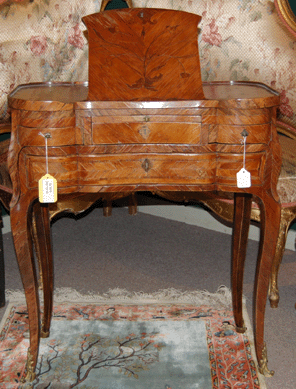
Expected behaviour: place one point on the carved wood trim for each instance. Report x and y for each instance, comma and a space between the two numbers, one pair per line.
286, 14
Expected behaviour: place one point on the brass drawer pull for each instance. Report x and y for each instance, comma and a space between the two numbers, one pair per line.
144, 131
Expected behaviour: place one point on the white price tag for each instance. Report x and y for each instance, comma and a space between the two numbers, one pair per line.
243, 178
47, 189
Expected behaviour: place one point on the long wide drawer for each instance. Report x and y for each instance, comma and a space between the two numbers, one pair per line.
119, 169
138, 168
147, 168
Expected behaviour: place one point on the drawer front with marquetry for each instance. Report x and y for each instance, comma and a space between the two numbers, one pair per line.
229, 164
143, 129
129, 169
57, 136
232, 134
60, 126
63, 169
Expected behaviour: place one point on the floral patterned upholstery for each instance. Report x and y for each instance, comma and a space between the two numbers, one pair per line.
43, 40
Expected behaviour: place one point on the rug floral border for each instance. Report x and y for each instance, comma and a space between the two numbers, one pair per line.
230, 355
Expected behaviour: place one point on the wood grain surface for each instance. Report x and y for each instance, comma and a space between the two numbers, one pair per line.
144, 122
149, 57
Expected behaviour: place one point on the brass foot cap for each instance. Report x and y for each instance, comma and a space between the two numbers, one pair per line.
44, 334
265, 371
30, 377
241, 330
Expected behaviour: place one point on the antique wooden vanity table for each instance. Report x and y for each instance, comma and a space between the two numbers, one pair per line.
177, 143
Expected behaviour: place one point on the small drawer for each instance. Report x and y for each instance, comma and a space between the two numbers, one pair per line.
58, 136
47, 119
177, 130
243, 116
233, 134
125, 169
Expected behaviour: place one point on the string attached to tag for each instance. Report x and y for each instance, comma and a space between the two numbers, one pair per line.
243, 177
47, 185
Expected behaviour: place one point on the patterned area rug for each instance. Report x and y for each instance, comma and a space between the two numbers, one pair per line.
141, 345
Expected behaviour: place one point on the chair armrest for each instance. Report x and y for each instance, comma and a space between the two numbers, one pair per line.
286, 129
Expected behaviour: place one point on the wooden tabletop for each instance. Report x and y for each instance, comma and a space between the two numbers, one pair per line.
235, 94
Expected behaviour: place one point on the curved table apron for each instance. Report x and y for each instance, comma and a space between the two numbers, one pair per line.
176, 149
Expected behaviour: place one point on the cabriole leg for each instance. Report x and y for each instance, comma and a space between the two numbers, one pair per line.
270, 213
242, 213
43, 247
20, 216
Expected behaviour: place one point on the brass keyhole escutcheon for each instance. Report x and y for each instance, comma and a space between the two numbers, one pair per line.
146, 165
144, 131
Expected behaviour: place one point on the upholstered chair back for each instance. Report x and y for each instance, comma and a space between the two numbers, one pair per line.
238, 40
